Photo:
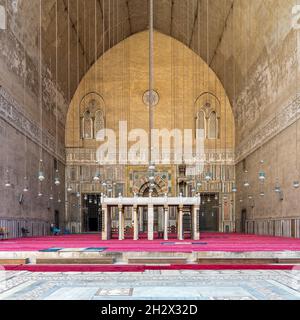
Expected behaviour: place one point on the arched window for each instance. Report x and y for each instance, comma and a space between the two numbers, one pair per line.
99, 123
208, 115
92, 115
200, 122
87, 126
212, 126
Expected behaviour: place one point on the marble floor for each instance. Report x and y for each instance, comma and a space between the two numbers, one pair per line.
169, 285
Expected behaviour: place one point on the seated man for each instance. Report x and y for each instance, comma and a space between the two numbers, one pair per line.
160, 234
55, 231
24, 232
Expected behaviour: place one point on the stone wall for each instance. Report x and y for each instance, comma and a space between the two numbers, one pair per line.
260, 53
20, 117
121, 77
254, 53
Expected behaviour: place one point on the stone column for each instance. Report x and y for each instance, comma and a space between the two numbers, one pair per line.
166, 222
150, 222
135, 224
105, 228
195, 223
121, 223
180, 223
141, 213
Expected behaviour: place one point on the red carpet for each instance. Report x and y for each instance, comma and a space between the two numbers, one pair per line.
208, 242
141, 268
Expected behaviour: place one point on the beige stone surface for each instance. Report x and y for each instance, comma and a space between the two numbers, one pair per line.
250, 45
121, 77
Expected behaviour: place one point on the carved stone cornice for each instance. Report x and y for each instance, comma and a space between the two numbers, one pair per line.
87, 156
268, 130
13, 113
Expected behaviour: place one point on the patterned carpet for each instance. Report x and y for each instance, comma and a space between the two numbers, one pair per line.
208, 242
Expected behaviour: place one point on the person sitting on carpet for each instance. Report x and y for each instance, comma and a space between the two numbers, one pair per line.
55, 231
24, 232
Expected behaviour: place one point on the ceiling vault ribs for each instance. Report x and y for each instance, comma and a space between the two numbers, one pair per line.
172, 17
195, 21
129, 19
222, 35
102, 41
75, 30
101, 9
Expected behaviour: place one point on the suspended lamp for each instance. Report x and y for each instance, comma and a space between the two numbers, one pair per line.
199, 184
262, 176
151, 167
69, 189
296, 184
41, 176
57, 181
51, 197
151, 178
97, 176
7, 184
246, 184
234, 189
26, 189
277, 187
208, 176
7, 181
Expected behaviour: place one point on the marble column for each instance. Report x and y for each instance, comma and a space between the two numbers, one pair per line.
180, 223
150, 222
166, 222
141, 213
105, 229
135, 224
195, 222
121, 223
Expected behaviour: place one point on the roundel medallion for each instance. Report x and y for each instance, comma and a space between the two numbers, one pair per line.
154, 96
